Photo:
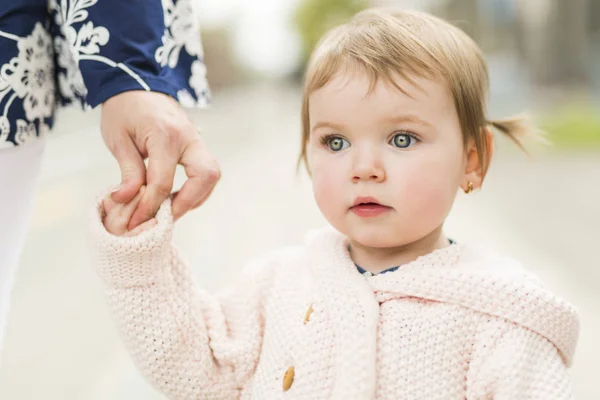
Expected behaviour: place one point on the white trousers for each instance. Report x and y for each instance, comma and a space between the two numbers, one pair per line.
19, 173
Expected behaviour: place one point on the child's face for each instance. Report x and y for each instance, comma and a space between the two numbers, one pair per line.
402, 151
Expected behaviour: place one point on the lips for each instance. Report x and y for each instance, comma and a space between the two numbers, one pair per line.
367, 207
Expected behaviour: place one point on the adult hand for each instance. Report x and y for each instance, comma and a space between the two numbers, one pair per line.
137, 125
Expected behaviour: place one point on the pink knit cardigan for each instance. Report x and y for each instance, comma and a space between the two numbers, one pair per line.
459, 323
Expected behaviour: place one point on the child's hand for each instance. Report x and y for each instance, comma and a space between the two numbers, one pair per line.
117, 216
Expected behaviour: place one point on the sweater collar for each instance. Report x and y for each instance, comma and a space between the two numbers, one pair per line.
473, 277
366, 273
354, 307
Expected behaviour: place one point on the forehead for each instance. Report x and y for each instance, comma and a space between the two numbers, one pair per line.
349, 95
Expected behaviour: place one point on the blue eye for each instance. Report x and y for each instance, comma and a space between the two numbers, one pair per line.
336, 143
403, 140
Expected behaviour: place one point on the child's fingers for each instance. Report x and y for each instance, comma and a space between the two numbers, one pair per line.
126, 210
118, 215
108, 204
151, 223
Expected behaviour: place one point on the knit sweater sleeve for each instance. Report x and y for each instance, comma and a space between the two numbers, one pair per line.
188, 343
520, 365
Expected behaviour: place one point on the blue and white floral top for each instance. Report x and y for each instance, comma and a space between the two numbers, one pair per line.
85, 51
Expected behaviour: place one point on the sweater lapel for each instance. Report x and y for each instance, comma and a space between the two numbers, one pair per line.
353, 310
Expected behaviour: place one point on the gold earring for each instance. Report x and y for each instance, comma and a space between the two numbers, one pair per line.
469, 188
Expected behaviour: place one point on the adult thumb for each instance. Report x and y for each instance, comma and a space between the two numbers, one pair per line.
133, 171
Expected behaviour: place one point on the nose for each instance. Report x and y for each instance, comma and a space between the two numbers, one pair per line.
367, 166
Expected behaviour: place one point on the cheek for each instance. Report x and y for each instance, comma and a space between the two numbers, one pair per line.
430, 189
327, 181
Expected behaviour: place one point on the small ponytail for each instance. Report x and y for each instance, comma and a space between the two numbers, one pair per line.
518, 129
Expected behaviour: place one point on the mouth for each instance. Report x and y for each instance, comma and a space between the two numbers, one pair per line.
362, 201
367, 207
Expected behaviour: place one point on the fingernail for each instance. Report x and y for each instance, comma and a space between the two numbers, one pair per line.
116, 188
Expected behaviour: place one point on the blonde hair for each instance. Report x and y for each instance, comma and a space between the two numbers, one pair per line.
387, 42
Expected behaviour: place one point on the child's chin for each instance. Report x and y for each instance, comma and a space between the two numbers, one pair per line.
375, 238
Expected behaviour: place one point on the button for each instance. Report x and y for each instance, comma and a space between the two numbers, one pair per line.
288, 378
308, 313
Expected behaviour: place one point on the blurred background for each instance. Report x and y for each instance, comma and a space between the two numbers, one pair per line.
544, 57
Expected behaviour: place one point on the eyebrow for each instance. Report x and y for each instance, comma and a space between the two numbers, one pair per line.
326, 124
408, 118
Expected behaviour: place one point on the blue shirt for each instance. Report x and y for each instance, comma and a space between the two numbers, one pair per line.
59, 52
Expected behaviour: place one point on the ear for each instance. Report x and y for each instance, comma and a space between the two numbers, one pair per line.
474, 172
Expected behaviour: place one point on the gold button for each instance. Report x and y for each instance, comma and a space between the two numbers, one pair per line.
288, 378
308, 313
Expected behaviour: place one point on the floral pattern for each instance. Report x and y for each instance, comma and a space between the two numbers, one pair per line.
180, 31
199, 83
30, 78
80, 53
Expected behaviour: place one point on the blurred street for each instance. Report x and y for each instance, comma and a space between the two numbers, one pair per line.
61, 342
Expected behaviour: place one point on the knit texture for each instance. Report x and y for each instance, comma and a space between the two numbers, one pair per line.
461, 322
